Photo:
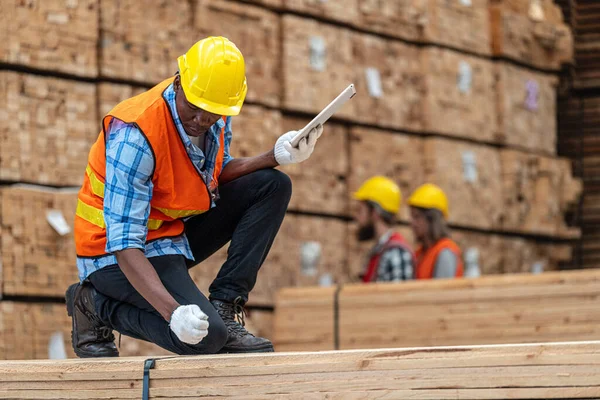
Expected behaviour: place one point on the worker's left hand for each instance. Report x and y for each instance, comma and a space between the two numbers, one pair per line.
286, 154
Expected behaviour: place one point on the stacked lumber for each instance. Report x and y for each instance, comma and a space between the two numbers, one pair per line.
510, 255
26, 330
143, 46
57, 35
319, 184
539, 371
47, 126
521, 308
458, 24
284, 264
311, 308
37, 258
317, 63
531, 32
458, 96
111, 94
389, 77
471, 176
537, 192
587, 44
500, 309
526, 103
378, 152
256, 32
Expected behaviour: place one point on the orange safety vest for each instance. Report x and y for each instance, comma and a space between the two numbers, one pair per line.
179, 190
426, 259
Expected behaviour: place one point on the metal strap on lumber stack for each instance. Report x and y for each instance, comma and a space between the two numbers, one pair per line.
37, 251
550, 307
56, 35
531, 32
47, 126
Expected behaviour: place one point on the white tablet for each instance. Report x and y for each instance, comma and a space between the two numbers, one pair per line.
324, 115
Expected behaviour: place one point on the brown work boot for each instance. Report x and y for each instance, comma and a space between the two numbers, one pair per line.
239, 340
90, 337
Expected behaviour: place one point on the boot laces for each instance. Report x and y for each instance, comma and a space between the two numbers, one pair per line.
234, 315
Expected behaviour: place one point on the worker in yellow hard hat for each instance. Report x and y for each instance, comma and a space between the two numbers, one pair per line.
437, 256
391, 259
162, 193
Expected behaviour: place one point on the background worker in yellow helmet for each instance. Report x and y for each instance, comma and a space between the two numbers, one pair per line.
154, 204
391, 259
438, 256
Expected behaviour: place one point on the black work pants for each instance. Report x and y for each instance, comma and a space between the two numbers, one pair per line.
249, 214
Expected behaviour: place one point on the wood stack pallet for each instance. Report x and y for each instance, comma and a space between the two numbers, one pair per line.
578, 120
460, 92
540, 371
550, 307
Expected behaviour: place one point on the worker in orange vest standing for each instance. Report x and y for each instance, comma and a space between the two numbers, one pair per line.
391, 259
437, 256
154, 203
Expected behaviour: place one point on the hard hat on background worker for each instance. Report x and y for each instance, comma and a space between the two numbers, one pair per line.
383, 192
213, 76
429, 196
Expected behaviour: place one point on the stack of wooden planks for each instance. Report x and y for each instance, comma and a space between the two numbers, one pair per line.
458, 92
531, 32
554, 306
586, 24
540, 371
57, 35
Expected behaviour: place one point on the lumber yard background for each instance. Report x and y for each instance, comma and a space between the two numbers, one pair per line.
496, 101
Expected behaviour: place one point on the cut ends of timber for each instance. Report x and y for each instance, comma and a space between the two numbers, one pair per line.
537, 371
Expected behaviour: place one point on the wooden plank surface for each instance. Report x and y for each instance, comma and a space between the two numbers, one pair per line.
526, 102
540, 371
56, 123
459, 95
36, 260
519, 308
545, 43
470, 175
55, 35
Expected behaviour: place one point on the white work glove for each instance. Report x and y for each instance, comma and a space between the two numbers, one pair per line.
286, 154
189, 324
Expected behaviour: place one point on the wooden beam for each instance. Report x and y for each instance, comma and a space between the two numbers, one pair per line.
539, 371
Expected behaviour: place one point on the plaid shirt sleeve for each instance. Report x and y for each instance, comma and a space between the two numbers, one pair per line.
128, 187
396, 264
228, 134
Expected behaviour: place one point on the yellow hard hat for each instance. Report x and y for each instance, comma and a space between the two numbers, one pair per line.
429, 196
213, 76
381, 190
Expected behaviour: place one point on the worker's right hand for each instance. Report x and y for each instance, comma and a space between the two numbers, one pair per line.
189, 324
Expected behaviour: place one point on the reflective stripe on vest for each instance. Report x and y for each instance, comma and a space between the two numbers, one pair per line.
95, 216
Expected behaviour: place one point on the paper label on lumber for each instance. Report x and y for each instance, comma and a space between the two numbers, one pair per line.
310, 253
532, 88
469, 166
465, 76
57, 220
318, 53
374, 82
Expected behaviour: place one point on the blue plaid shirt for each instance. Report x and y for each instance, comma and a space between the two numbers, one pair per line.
128, 188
